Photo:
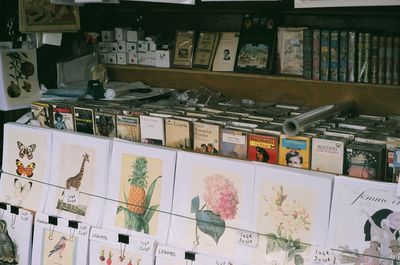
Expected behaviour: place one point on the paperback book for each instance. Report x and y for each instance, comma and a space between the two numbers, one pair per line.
263, 148
225, 55
290, 50
295, 151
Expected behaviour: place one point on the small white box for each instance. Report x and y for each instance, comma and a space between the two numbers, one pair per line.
121, 58
135, 35
131, 47
142, 46
142, 58
121, 46
121, 33
112, 47
112, 58
108, 35
102, 47
151, 58
163, 58
103, 57
132, 58
152, 46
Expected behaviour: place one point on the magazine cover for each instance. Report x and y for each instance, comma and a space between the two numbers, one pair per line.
78, 176
108, 247
291, 214
373, 230
294, 151
58, 241
26, 159
212, 201
141, 191
15, 232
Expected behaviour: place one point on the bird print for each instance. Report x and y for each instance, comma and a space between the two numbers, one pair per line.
59, 247
7, 250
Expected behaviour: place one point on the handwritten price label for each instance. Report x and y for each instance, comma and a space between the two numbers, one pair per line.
71, 197
322, 256
248, 239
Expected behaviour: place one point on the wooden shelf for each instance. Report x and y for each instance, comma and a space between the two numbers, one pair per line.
369, 98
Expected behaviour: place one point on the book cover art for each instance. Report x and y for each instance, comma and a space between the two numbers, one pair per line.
327, 155
295, 151
307, 53
84, 120
206, 138
352, 57
152, 130
396, 60
105, 124
364, 222
263, 148
382, 60
290, 50
63, 118
389, 61
184, 45
316, 51
334, 55
233, 143
205, 50
256, 48
128, 128
41, 112
324, 57
225, 55
343, 54
178, 133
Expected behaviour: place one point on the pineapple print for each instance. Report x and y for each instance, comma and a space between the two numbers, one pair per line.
138, 186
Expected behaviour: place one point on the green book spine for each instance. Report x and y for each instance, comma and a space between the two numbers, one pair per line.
307, 53
374, 59
343, 53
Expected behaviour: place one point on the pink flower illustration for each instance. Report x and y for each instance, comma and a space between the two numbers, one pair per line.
221, 196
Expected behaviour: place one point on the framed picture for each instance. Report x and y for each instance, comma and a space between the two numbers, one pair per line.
184, 49
42, 16
205, 50
340, 3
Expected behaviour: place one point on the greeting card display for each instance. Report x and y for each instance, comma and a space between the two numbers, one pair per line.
79, 170
140, 190
291, 214
58, 241
365, 219
26, 163
212, 200
15, 233
108, 247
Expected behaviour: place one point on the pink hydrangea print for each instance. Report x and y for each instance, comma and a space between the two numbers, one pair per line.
221, 196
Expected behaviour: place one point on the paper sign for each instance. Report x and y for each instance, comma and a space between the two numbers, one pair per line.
246, 238
322, 256
71, 197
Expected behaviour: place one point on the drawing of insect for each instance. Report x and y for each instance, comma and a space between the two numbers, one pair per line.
26, 151
25, 171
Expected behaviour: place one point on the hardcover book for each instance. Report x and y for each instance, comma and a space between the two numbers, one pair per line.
63, 118
367, 55
328, 154
178, 133
324, 57
290, 215
140, 197
381, 60
128, 128
206, 137
184, 45
343, 54
334, 55
290, 50
225, 55
361, 60
389, 61
374, 59
396, 61
307, 53
256, 48
152, 130
84, 120
26, 166
295, 151
263, 148
372, 233
206, 47
352, 57
316, 51
41, 112
234, 143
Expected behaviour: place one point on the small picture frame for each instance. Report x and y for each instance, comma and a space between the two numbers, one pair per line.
43, 16
184, 45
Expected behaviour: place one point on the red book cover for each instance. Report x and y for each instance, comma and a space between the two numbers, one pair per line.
263, 148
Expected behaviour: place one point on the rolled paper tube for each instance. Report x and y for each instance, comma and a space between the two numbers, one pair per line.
294, 126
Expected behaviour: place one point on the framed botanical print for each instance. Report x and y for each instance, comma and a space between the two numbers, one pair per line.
43, 16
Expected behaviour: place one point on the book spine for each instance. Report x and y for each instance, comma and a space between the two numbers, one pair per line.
367, 55
343, 52
324, 64
352, 54
334, 55
307, 53
374, 59
360, 57
389, 60
396, 60
316, 46
381, 60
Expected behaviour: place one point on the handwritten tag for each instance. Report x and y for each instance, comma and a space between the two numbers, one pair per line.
71, 197
248, 239
321, 256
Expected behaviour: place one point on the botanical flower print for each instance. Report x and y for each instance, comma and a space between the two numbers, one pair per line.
221, 203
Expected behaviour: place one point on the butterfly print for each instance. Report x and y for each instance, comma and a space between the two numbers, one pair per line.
25, 171
21, 189
26, 151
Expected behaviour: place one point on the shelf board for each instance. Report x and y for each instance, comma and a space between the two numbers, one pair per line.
369, 98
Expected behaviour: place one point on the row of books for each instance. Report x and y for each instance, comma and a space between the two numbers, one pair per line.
351, 145
350, 56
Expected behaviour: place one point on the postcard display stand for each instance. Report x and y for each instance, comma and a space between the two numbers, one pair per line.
155, 205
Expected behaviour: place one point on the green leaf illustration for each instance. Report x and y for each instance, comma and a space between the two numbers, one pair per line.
298, 260
271, 246
281, 243
210, 224
291, 254
150, 193
144, 224
121, 208
149, 213
195, 204
301, 247
271, 236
